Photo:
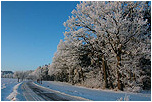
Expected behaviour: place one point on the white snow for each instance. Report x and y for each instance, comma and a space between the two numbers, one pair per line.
7, 85
96, 94
11, 90
13, 95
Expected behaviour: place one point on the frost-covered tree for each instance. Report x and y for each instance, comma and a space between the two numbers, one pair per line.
9, 75
45, 72
41, 73
17, 75
111, 31
27, 74
108, 43
37, 74
65, 62
59, 66
22, 75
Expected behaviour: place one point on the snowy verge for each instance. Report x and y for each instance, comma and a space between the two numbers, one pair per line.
81, 98
13, 95
95, 94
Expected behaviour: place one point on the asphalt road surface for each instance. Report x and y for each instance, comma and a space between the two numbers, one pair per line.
34, 92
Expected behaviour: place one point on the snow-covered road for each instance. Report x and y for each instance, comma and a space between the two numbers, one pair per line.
34, 92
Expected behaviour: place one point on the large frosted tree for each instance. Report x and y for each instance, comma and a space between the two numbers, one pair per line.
115, 33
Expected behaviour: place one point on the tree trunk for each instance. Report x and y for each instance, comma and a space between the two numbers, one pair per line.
134, 77
71, 74
120, 86
18, 79
82, 74
104, 67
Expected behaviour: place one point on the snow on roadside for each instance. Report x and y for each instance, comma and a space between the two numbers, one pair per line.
7, 85
66, 96
13, 95
95, 95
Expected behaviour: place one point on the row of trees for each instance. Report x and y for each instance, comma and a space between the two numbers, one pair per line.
107, 45
22, 75
41, 73
7, 75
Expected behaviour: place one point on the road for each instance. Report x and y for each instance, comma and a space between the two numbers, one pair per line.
34, 92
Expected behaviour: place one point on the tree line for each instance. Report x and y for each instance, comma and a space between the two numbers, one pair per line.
106, 45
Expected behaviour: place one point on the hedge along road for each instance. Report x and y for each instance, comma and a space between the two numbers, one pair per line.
34, 92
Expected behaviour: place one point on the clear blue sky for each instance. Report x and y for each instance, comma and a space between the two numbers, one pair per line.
31, 31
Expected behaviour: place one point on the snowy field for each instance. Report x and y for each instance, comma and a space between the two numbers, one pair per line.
7, 87
94, 94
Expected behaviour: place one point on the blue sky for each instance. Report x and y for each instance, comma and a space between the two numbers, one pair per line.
31, 31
